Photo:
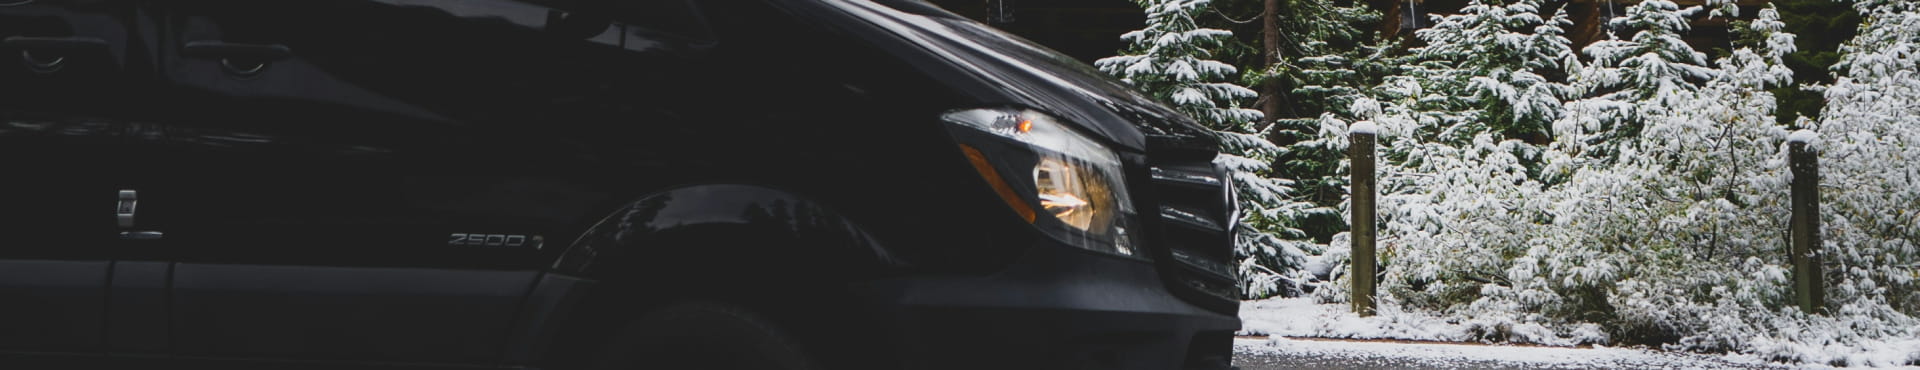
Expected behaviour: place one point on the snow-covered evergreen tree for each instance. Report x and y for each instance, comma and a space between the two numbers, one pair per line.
1822, 25
1323, 52
1647, 74
1328, 54
1500, 51
1170, 59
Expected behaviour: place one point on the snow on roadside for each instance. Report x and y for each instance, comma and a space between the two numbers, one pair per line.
1302, 317
1481, 356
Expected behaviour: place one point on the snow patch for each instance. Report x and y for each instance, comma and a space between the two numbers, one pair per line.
1803, 136
1365, 127
1302, 317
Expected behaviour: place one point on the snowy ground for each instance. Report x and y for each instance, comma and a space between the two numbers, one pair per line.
1290, 321
1283, 353
1301, 317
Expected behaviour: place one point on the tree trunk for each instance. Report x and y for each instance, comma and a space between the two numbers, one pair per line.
1270, 44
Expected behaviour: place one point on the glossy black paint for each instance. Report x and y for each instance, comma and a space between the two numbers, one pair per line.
699, 224
54, 260
1006, 71
309, 163
997, 68
1053, 308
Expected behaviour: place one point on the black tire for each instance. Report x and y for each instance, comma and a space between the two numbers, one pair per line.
703, 335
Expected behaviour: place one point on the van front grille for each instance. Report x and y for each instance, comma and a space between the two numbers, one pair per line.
1193, 229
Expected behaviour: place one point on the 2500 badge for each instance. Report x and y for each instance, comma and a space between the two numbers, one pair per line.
495, 240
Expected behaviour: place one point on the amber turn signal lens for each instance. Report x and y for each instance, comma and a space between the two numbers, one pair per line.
999, 184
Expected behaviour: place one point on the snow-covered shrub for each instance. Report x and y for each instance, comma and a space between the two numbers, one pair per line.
1454, 185
1681, 234
1660, 210
1684, 208
1870, 144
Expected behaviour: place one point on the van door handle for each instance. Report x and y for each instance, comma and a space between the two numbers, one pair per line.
245, 60
53, 50
228, 50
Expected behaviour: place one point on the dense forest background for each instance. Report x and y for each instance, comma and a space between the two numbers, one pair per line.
1607, 172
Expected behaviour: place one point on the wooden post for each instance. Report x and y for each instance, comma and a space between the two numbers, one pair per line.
1808, 288
1364, 263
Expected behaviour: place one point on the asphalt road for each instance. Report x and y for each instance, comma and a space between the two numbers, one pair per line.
1250, 354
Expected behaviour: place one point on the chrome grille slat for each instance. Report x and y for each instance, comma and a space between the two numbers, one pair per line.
1184, 177
1218, 270
1190, 219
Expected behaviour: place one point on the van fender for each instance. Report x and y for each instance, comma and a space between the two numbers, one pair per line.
729, 227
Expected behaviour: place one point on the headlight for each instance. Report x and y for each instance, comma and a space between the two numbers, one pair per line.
1033, 159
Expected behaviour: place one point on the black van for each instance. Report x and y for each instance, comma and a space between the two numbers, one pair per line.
561, 184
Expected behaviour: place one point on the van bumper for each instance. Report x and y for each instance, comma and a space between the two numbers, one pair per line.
1054, 308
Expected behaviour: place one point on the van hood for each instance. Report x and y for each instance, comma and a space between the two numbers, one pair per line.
998, 68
